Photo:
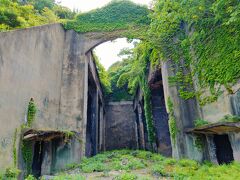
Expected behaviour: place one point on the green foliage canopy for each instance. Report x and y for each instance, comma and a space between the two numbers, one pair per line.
115, 71
14, 14
103, 76
117, 15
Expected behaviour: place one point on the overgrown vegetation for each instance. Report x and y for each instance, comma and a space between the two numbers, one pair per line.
103, 76
15, 148
10, 174
127, 164
117, 15
227, 118
172, 121
115, 71
200, 122
136, 76
27, 155
205, 34
21, 14
199, 142
230, 118
32, 109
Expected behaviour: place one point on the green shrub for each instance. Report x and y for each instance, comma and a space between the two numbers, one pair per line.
69, 177
126, 176
30, 177
159, 170
200, 122
11, 173
230, 118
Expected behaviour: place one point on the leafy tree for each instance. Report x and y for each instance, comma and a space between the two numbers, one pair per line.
21, 14
103, 76
63, 12
9, 18
115, 71
41, 4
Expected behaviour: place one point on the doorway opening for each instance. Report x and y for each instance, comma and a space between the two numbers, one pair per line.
224, 150
91, 133
160, 115
37, 158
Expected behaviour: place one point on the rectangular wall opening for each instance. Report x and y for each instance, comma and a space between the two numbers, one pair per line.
224, 150
37, 158
160, 115
91, 131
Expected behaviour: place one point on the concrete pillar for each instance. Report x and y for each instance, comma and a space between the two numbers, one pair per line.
185, 111
101, 133
211, 149
85, 106
97, 122
141, 127
47, 158
235, 143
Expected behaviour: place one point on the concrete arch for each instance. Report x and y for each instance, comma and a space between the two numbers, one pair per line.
93, 39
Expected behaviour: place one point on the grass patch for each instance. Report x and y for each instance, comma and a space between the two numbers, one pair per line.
128, 163
69, 177
126, 176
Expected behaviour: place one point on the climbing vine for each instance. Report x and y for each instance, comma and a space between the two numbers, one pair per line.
27, 155
148, 113
31, 112
172, 121
202, 39
15, 148
199, 142
136, 76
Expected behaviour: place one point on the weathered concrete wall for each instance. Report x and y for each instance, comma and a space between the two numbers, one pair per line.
120, 126
50, 65
185, 112
30, 66
225, 105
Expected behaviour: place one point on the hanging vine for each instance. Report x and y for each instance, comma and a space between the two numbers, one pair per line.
205, 34
27, 154
148, 112
172, 121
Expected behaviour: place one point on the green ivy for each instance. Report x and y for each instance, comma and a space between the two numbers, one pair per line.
199, 142
103, 76
206, 35
172, 121
230, 118
27, 154
31, 112
11, 173
135, 75
15, 148
200, 122
117, 15
148, 112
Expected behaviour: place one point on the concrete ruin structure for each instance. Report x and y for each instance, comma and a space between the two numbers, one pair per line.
56, 68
